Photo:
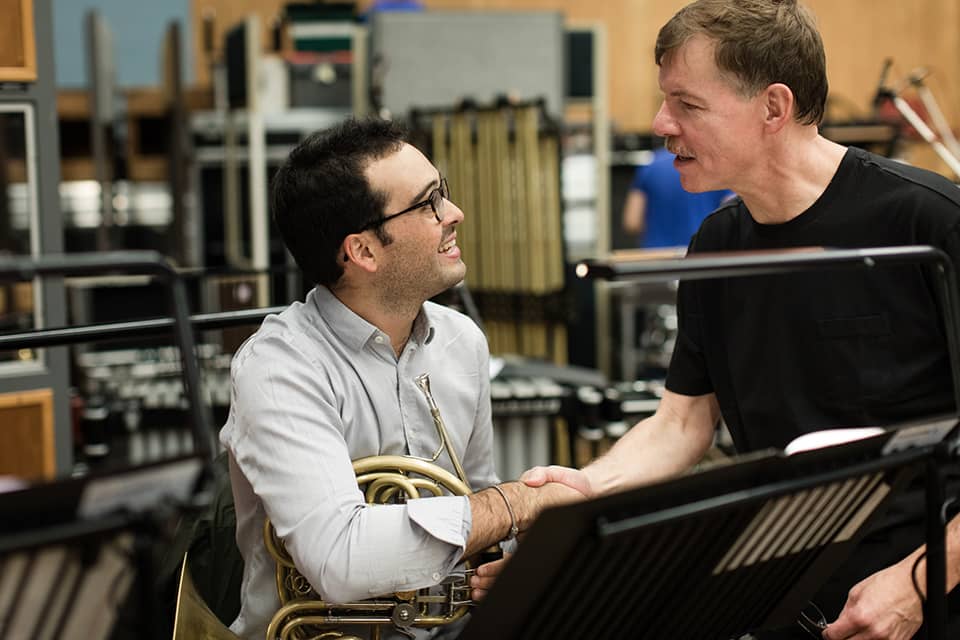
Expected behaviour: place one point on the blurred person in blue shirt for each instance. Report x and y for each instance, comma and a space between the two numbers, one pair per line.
658, 207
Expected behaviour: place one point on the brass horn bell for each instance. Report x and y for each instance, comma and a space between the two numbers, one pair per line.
193, 619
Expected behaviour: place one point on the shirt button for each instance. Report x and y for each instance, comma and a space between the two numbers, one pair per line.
378, 339
436, 577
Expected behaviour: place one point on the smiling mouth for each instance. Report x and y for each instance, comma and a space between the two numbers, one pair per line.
447, 246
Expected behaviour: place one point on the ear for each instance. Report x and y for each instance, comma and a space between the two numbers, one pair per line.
778, 104
359, 250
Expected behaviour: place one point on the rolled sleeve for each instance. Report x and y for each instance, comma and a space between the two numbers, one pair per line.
387, 548
446, 518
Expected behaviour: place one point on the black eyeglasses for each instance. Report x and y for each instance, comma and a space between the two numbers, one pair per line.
812, 620
435, 199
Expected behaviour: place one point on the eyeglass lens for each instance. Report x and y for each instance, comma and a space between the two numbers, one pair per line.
437, 196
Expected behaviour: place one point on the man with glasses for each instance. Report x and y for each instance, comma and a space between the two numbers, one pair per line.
331, 379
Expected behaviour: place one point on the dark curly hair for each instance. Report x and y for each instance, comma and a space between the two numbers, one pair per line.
320, 195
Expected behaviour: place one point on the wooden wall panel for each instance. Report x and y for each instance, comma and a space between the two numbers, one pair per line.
26, 435
226, 15
18, 53
858, 36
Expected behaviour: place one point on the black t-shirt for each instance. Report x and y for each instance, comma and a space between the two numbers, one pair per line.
790, 354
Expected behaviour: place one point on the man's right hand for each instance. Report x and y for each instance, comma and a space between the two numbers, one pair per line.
527, 502
573, 478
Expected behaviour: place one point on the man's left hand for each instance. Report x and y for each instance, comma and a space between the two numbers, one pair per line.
882, 606
485, 576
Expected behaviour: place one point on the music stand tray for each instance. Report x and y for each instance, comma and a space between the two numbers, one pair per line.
69, 556
714, 554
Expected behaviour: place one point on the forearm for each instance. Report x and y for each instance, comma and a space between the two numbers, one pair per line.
661, 446
381, 548
492, 520
633, 212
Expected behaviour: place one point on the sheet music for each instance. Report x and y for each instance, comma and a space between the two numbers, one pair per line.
829, 438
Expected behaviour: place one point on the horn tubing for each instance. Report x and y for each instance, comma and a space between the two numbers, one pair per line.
423, 381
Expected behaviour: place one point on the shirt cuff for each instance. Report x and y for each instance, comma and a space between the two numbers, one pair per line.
446, 518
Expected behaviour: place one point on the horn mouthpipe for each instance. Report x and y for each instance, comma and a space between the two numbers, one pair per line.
423, 381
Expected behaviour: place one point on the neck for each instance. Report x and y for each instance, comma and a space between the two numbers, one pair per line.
393, 317
792, 176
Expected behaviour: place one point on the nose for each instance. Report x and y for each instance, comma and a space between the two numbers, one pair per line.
452, 214
664, 124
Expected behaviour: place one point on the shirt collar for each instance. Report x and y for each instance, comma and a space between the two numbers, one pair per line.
356, 332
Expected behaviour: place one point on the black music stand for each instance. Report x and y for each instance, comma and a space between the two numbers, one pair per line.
713, 555
629, 545
71, 550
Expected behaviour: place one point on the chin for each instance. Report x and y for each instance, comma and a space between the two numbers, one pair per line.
694, 185
455, 279
449, 279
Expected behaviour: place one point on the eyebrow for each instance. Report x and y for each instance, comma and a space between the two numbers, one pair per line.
679, 93
422, 194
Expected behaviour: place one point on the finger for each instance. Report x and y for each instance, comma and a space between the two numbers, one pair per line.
491, 569
483, 584
478, 594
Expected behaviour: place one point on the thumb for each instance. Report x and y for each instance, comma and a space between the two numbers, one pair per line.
842, 627
535, 477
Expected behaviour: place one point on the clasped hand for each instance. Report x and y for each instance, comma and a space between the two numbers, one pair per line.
550, 480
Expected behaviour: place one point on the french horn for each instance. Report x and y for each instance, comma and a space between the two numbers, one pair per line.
303, 614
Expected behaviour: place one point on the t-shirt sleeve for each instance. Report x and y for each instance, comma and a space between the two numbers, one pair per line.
687, 374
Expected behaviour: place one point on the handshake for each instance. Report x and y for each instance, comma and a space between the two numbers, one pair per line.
538, 488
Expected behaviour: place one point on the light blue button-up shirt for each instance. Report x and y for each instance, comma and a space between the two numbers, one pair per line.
318, 386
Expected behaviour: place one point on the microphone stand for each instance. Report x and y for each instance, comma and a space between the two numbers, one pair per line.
914, 119
740, 264
933, 108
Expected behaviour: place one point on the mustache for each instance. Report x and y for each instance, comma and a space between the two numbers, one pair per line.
673, 147
676, 149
